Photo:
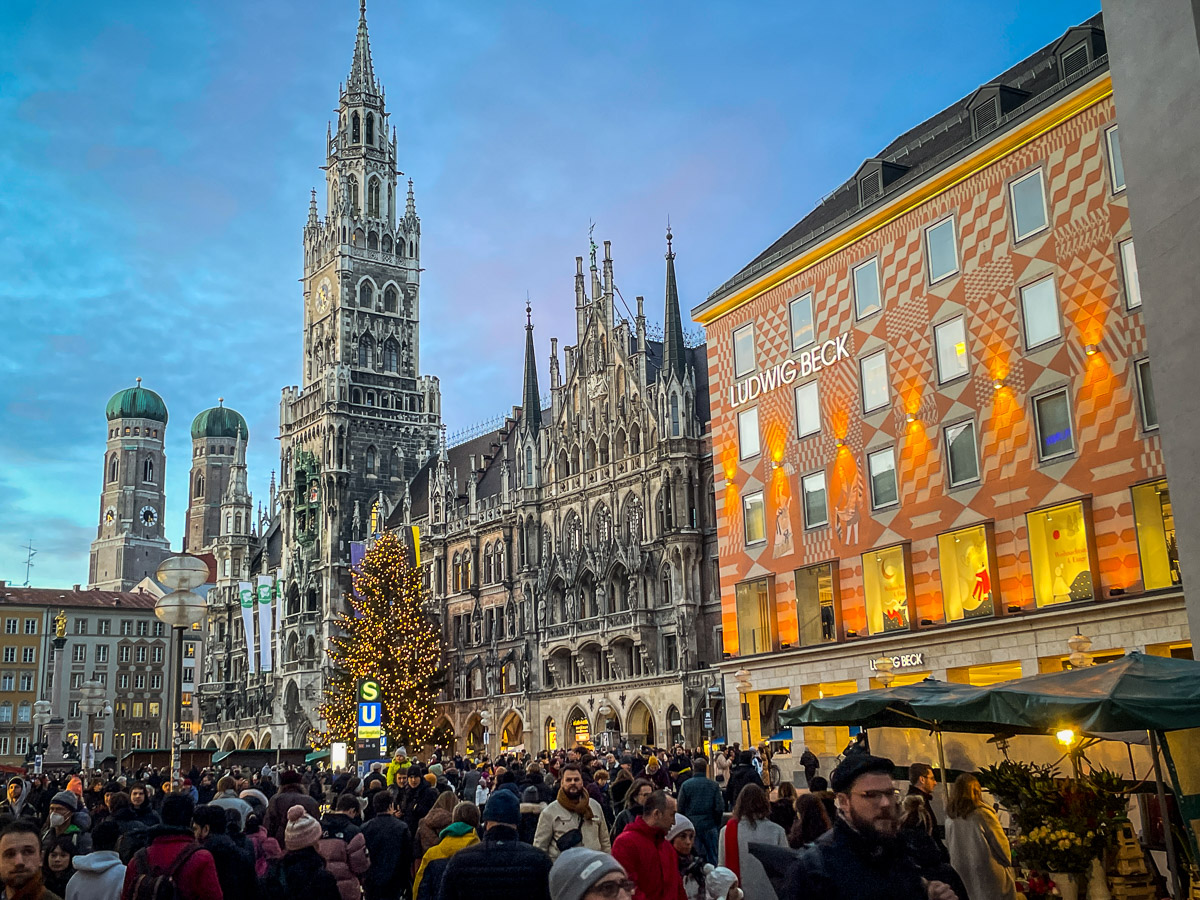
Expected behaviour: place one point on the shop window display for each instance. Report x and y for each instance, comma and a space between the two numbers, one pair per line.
815, 616
967, 578
1156, 535
755, 618
1059, 554
885, 583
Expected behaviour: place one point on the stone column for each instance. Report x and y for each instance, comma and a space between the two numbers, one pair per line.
54, 730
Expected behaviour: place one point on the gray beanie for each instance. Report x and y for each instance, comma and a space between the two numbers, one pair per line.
577, 869
67, 799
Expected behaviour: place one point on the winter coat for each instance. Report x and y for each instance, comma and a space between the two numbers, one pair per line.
721, 766
98, 876
651, 863
556, 820
980, 853
660, 776
415, 804
235, 867
783, 814
81, 840
277, 809
701, 801
499, 868
197, 878
454, 837
266, 851
754, 880
624, 819
389, 844
429, 831
470, 781
17, 808
146, 815
739, 777
230, 800
299, 873
530, 813
344, 850
845, 865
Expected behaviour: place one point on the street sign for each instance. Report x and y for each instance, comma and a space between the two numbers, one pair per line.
708, 720
369, 731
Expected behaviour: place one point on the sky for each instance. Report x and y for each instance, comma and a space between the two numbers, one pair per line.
156, 160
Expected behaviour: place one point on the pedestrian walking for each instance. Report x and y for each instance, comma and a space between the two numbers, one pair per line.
750, 824
648, 858
701, 801
501, 867
574, 819
979, 849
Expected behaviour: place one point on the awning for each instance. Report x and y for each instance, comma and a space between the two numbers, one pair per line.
317, 756
782, 735
932, 704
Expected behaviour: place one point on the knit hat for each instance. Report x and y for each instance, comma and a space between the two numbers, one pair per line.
718, 881
503, 807
652, 761
577, 870
302, 830
682, 824
436, 770
67, 799
431, 778
850, 768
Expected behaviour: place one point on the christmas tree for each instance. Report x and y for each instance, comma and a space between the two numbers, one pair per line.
389, 637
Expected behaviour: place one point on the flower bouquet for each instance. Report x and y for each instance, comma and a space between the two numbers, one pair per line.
1036, 886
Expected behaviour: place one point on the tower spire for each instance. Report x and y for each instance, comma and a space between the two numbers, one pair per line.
532, 412
673, 351
362, 73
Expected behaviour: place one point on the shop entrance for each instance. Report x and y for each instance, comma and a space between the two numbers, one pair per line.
824, 741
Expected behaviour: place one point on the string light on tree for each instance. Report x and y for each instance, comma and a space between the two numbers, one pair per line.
389, 637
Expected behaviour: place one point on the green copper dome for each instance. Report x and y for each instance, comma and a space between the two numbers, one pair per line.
136, 403
220, 421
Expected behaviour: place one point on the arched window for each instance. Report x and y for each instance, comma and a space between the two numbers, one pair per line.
457, 573
391, 356
370, 398
674, 415
365, 353
373, 241
355, 134
356, 394
412, 251
199, 485
389, 295
370, 129
387, 244
148, 471
370, 454
228, 523
372, 192
114, 467
500, 560
354, 194
488, 574
529, 466
366, 294
237, 524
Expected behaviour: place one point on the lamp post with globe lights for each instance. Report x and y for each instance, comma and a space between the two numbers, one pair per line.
92, 703
180, 610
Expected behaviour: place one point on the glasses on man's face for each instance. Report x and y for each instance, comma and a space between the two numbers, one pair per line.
892, 796
611, 890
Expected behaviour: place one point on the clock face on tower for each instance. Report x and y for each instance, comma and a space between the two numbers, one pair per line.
323, 296
149, 515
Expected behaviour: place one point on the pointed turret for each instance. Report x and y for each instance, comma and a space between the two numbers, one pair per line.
532, 413
236, 491
362, 73
313, 221
410, 206
674, 359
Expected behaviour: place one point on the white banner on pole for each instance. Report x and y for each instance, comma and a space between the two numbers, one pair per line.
246, 595
266, 592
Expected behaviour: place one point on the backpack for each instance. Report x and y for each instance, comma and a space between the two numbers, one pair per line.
153, 883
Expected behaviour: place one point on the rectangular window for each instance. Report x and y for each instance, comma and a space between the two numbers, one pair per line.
29, 654
755, 518
123, 653
1028, 205
135, 741
139, 682
1155, 522
6, 713
1145, 385
155, 709
81, 626
189, 674
76, 679
815, 618
755, 617
158, 654
960, 451
800, 316
10, 626
102, 653
951, 340
98, 741
122, 709
1052, 415
873, 370
24, 713
743, 350
866, 289
941, 252
126, 627
123, 681
815, 511
670, 652
141, 654
1116, 169
185, 698
885, 584
965, 562
747, 426
881, 466
27, 681
22, 745
104, 627
143, 628
158, 628
1133, 287
808, 409
79, 653
6, 681
3, 746
1039, 304
101, 677
10, 654
73, 709
31, 626
156, 682
1059, 554
139, 709
189, 650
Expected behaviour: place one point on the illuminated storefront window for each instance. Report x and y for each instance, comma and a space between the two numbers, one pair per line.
1156, 535
551, 735
1060, 554
885, 583
755, 617
967, 577
581, 730
815, 618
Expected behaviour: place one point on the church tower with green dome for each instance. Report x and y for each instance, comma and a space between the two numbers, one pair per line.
129, 542
216, 433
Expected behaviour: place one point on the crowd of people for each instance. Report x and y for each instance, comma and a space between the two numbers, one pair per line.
567, 825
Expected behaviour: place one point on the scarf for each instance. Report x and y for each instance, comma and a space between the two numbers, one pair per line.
733, 850
581, 807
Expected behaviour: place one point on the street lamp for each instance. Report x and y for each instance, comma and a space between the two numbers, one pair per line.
883, 670
485, 719
1079, 645
41, 718
605, 710
180, 610
744, 685
92, 703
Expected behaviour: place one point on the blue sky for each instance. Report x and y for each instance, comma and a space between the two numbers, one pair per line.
156, 159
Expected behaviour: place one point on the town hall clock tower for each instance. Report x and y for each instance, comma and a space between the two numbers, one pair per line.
363, 419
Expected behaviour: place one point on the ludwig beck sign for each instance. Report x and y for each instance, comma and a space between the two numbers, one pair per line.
806, 363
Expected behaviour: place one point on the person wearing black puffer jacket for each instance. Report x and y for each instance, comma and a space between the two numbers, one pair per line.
741, 775
502, 867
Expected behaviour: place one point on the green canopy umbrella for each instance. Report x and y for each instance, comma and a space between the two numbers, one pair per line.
937, 705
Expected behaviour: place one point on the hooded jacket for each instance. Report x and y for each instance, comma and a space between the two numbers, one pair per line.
16, 807
650, 861
344, 850
455, 836
98, 876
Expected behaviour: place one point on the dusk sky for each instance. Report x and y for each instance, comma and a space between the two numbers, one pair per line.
156, 160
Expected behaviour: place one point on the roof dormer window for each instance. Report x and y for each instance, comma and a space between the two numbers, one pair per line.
991, 103
874, 176
1078, 49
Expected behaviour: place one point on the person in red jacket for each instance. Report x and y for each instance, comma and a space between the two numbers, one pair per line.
649, 859
196, 877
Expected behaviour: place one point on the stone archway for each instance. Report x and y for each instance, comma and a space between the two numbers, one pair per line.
577, 729
211, 745
247, 742
512, 731
473, 732
550, 735
444, 735
641, 725
229, 744
264, 743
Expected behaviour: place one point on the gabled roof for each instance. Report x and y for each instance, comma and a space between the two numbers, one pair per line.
70, 598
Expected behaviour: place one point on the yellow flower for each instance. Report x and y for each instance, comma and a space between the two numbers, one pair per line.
1063, 845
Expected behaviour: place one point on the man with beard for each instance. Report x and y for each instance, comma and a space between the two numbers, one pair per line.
21, 862
862, 857
574, 819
